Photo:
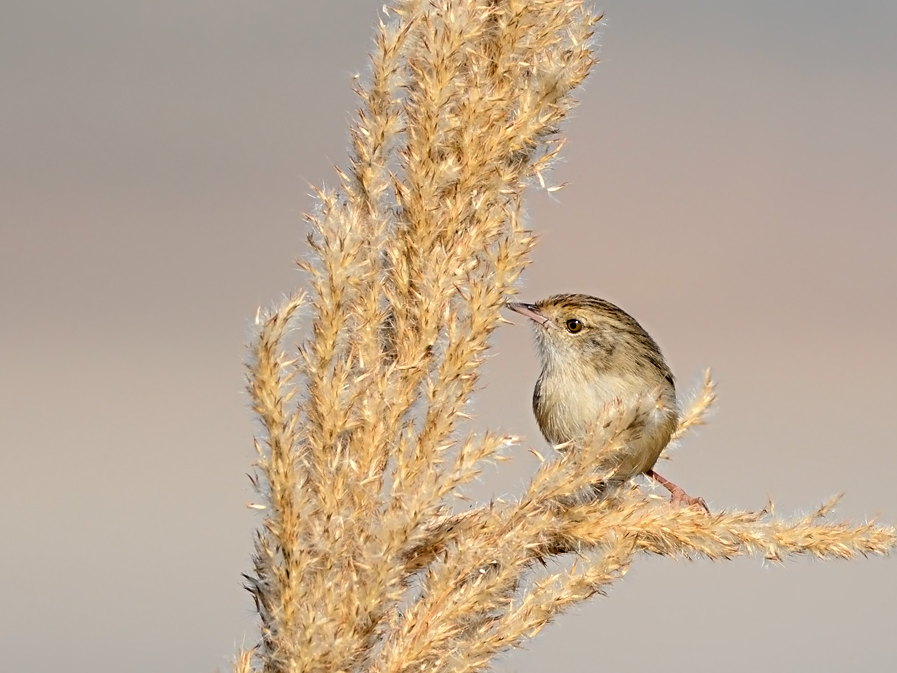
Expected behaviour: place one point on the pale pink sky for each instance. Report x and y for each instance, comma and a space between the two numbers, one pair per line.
731, 171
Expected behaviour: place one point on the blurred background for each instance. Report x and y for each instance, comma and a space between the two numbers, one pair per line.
731, 183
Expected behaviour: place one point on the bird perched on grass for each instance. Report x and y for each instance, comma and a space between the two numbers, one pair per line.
594, 354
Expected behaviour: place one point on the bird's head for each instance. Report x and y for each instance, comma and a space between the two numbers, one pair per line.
579, 332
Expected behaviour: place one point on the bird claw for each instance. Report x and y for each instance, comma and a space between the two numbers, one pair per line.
680, 498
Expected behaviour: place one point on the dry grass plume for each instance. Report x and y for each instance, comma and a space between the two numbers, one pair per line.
360, 564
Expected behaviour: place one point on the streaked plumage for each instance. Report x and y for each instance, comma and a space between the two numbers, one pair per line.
595, 354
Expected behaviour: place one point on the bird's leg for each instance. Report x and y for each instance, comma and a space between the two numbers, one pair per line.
679, 497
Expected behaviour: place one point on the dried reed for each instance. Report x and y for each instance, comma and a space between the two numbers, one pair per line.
360, 564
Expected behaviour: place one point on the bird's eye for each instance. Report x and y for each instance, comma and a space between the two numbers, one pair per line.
574, 325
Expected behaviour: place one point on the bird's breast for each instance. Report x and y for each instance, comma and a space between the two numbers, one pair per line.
568, 405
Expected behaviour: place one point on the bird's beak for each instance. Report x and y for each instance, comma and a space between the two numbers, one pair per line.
531, 311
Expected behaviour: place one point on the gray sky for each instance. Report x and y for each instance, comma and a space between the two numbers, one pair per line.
731, 173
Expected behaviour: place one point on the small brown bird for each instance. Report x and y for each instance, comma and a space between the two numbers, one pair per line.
595, 354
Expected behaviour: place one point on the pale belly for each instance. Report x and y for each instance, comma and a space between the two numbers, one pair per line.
565, 417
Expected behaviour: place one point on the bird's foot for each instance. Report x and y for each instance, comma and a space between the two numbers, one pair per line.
678, 497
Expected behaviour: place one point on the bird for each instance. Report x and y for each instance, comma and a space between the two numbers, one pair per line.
595, 355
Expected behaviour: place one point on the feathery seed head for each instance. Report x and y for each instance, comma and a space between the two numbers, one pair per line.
359, 565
